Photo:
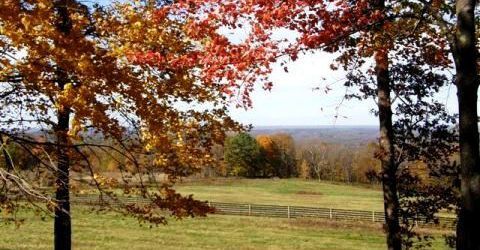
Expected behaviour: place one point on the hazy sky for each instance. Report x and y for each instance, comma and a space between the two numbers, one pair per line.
293, 102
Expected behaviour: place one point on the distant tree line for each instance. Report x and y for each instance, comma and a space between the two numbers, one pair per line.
278, 155
243, 155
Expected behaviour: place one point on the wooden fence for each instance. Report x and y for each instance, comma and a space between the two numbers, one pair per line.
289, 212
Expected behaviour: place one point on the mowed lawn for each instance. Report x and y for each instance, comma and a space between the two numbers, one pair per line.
286, 192
112, 231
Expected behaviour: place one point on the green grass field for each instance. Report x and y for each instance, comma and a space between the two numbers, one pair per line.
112, 231
293, 192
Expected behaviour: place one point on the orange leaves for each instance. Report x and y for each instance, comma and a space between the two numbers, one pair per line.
216, 59
151, 58
241, 64
133, 75
128, 66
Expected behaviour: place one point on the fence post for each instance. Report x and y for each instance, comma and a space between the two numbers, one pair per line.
373, 216
249, 210
288, 212
331, 214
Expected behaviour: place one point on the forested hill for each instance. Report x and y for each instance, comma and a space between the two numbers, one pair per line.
331, 134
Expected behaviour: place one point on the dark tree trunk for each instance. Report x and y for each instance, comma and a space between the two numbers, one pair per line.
387, 152
62, 224
387, 156
468, 227
62, 227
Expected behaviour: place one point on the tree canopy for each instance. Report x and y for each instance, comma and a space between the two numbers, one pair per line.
71, 73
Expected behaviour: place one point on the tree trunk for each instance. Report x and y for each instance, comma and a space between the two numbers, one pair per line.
387, 152
62, 224
389, 167
468, 226
62, 227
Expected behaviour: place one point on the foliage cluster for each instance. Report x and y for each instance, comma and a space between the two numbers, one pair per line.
263, 157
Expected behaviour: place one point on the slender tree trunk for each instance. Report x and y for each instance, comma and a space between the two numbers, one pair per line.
389, 166
62, 224
468, 227
386, 143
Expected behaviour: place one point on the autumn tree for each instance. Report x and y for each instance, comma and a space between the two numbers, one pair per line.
372, 38
286, 152
270, 154
314, 156
329, 161
217, 167
304, 170
365, 165
129, 73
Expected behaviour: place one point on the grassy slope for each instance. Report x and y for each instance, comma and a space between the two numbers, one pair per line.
110, 231
286, 192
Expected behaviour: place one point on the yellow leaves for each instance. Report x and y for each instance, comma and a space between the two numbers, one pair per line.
137, 25
76, 127
160, 161
179, 139
68, 87
65, 97
109, 92
42, 5
85, 66
68, 91
104, 181
118, 101
148, 147
25, 21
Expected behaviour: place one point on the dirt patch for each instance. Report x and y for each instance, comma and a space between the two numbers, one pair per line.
308, 193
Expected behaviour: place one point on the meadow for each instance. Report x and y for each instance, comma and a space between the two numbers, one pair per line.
112, 231
93, 230
293, 192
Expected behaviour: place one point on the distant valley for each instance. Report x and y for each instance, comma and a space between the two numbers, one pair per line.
351, 135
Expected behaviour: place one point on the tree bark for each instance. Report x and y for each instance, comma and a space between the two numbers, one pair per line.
465, 54
62, 223
389, 166
386, 143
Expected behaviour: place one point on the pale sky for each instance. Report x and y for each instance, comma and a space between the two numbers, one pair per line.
292, 102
